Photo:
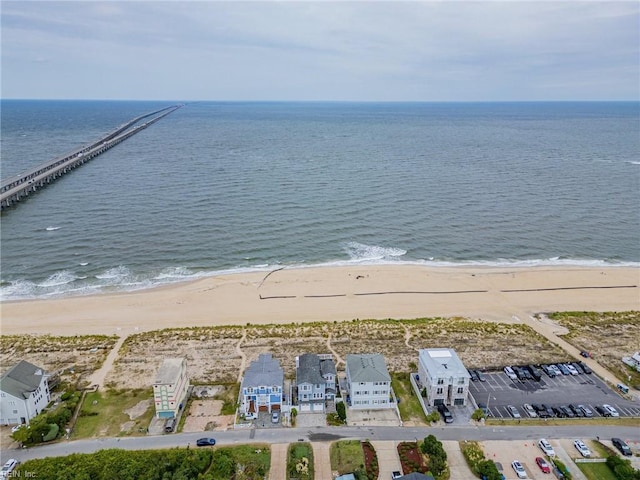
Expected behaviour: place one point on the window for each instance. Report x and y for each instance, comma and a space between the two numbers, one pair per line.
439, 391
460, 389
441, 381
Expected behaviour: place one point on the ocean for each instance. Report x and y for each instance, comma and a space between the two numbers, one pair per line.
223, 187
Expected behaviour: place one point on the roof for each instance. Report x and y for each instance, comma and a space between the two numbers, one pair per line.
416, 476
443, 363
169, 372
346, 476
311, 369
368, 367
264, 371
23, 379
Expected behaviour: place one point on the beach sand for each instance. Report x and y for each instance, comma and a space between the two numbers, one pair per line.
334, 293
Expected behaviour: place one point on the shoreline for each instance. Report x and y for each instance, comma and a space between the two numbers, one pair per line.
333, 293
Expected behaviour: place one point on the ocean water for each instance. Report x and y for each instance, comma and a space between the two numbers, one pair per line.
219, 187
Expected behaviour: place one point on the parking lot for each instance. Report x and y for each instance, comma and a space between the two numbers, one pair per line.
499, 390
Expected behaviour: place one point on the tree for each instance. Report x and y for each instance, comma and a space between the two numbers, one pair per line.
478, 415
341, 410
487, 469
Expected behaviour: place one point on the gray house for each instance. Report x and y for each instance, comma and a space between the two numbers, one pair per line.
316, 382
368, 381
24, 393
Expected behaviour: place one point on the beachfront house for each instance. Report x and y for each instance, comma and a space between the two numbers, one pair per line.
444, 376
24, 393
368, 381
262, 386
171, 387
316, 382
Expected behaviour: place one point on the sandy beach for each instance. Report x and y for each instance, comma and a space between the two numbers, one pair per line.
334, 293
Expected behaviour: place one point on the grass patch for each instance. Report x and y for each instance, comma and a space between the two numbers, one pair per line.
596, 471
229, 399
103, 413
300, 461
242, 461
347, 456
409, 406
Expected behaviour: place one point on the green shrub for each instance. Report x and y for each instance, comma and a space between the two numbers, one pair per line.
478, 415
53, 433
622, 468
341, 410
563, 468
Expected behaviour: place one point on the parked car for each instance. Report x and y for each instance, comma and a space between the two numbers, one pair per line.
510, 373
586, 410
612, 411
582, 448
275, 417
474, 376
205, 442
577, 411
519, 469
522, 373
536, 373
563, 369
572, 369
543, 464
15, 428
529, 410
567, 411
585, 368
622, 446
9, 466
546, 447
555, 369
480, 376
578, 367
395, 475
446, 414
549, 371
485, 409
558, 412
602, 411
513, 411
585, 354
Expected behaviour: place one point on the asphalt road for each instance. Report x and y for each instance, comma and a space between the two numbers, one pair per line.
326, 434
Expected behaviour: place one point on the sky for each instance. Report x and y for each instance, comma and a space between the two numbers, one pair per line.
444, 50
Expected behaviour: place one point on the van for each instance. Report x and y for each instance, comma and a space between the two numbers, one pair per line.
170, 425
8, 467
623, 388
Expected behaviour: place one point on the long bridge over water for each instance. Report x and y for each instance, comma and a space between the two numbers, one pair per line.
13, 189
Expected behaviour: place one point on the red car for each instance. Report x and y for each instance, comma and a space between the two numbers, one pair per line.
543, 464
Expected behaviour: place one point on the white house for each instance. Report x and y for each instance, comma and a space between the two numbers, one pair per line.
262, 386
171, 387
444, 376
368, 381
316, 382
24, 393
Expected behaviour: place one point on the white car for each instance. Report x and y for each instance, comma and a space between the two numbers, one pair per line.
9, 467
15, 428
510, 373
587, 411
513, 411
582, 448
611, 410
572, 369
519, 469
555, 369
546, 448
529, 410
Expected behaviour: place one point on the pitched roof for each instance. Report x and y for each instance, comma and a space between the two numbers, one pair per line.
264, 371
311, 369
416, 476
368, 367
443, 363
23, 379
169, 371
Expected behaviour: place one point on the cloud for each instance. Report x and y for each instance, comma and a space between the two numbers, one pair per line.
444, 50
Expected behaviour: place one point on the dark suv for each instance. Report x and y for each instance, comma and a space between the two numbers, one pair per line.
446, 414
622, 446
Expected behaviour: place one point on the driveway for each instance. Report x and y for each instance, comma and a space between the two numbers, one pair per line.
457, 464
321, 461
278, 461
388, 459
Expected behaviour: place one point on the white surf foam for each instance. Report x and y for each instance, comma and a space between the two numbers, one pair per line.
51, 229
59, 278
361, 252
